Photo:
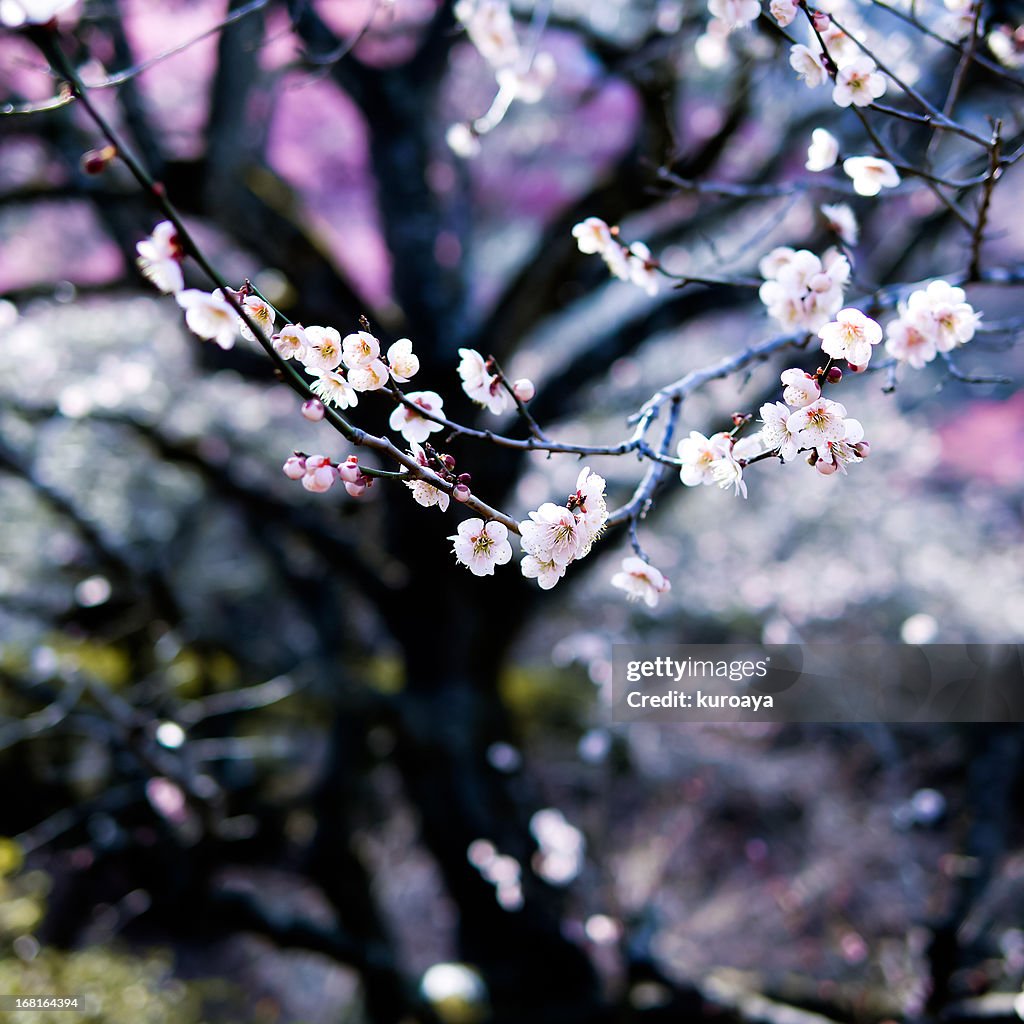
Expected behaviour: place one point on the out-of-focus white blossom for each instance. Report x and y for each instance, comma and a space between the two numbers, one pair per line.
735, 13
159, 258
801, 290
641, 581
808, 65
870, 174
842, 220
823, 152
15, 13
210, 315
491, 29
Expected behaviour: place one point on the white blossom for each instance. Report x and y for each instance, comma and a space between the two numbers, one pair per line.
859, 83
360, 349
547, 572
371, 377
261, 313
801, 388
323, 348
481, 546
402, 361
807, 64
842, 220
850, 336
823, 152
817, 424
332, 388
491, 30
291, 342
698, 454
735, 13
15, 13
159, 258
553, 533
870, 174
210, 315
641, 581
413, 426
776, 434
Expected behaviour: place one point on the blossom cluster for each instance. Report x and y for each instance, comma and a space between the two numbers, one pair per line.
626, 262
802, 291
318, 474
934, 319
521, 75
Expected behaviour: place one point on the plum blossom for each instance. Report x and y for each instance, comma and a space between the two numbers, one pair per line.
332, 388
261, 313
642, 268
480, 384
727, 472
842, 220
371, 377
359, 349
776, 434
402, 361
210, 315
294, 467
841, 453
850, 336
870, 174
15, 13
481, 546
319, 474
801, 290
808, 65
547, 572
783, 11
490, 28
735, 13
414, 427
859, 83
592, 235
590, 507
823, 152
291, 342
801, 388
817, 424
641, 581
159, 258
910, 343
428, 495
698, 454
323, 348
944, 309
1007, 45
553, 533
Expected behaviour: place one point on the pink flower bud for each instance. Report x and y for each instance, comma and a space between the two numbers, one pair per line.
349, 470
523, 389
855, 369
862, 448
320, 478
821, 21
449, 462
295, 467
461, 493
465, 478
356, 488
834, 375
825, 468
313, 410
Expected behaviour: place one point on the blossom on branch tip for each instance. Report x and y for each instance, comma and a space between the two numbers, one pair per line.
851, 337
641, 581
360, 349
643, 270
590, 507
783, 11
413, 426
524, 390
842, 220
859, 83
823, 152
210, 315
402, 361
727, 472
159, 258
870, 174
480, 384
481, 546
490, 28
592, 235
